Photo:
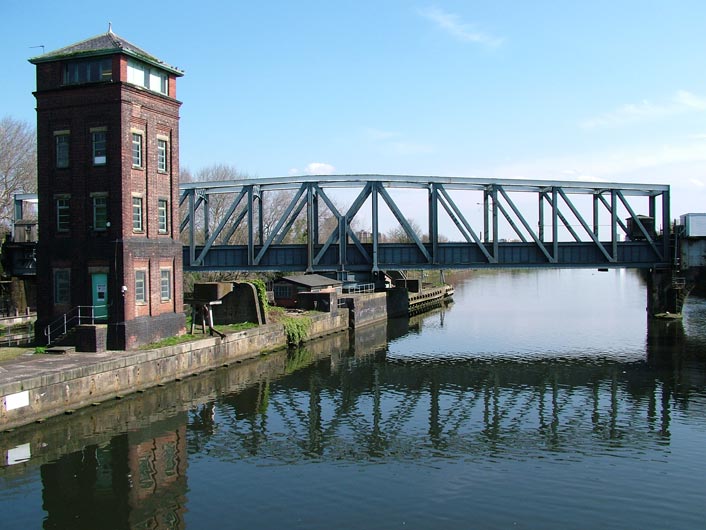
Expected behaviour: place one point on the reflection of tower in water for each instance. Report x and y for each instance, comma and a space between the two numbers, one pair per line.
137, 480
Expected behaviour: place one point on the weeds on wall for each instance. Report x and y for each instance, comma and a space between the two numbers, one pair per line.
296, 328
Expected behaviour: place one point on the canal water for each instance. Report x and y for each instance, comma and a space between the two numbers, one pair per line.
538, 399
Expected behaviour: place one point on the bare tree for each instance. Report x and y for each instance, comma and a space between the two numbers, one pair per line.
274, 207
399, 235
18, 164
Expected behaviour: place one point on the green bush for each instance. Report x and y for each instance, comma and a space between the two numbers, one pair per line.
297, 329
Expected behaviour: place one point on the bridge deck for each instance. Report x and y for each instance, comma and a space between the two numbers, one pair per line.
298, 224
293, 223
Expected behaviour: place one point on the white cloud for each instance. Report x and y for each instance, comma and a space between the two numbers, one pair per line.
689, 100
457, 28
319, 168
314, 168
680, 103
607, 165
681, 165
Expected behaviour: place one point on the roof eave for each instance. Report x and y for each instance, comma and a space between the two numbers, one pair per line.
99, 53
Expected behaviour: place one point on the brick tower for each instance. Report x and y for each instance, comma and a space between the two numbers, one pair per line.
108, 183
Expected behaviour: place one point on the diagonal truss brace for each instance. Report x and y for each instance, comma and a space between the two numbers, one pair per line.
537, 241
461, 223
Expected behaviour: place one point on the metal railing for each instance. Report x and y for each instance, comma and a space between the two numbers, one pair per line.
359, 288
82, 314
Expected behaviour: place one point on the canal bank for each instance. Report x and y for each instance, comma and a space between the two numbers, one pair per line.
35, 445
37, 386
34, 387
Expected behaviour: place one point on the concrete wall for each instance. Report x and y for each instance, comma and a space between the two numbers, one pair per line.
693, 253
242, 304
59, 436
52, 385
397, 302
326, 323
366, 308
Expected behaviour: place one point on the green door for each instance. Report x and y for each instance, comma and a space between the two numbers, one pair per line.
99, 288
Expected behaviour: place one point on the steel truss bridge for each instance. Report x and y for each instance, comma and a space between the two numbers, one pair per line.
297, 224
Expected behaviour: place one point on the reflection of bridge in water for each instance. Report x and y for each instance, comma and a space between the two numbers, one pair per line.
333, 402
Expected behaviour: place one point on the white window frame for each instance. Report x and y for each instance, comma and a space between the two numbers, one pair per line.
137, 149
137, 214
165, 284
99, 137
136, 72
63, 213
162, 216
141, 286
162, 159
143, 75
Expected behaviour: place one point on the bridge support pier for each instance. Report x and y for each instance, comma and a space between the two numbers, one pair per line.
665, 294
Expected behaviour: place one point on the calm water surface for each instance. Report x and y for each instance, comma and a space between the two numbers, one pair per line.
538, 399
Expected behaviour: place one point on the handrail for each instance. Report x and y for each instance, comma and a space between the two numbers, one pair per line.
74, 317
359, 288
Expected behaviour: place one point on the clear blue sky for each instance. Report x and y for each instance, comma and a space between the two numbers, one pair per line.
605, 90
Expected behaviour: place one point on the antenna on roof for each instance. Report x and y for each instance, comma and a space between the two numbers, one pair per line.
110, 27
39, 46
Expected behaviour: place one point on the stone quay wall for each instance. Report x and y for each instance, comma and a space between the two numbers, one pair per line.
48, 385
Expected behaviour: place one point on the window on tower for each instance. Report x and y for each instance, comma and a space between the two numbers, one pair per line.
165, 284
62, 286
63, 219
88, 71
98, 143
162, 216
137, 214
162, 149
100, 212
61, 145
140, 287
136, 150
142, 75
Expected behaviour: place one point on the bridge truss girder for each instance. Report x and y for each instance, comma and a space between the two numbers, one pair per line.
612, 231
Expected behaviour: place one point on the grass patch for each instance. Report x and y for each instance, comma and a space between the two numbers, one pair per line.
172, 341
233, 328
11, 352
188, 337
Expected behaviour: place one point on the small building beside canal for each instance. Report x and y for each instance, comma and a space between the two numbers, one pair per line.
287, 289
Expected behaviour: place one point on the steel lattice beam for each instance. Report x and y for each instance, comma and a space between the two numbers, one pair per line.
532, 242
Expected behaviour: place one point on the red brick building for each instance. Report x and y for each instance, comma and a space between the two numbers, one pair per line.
108, 180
